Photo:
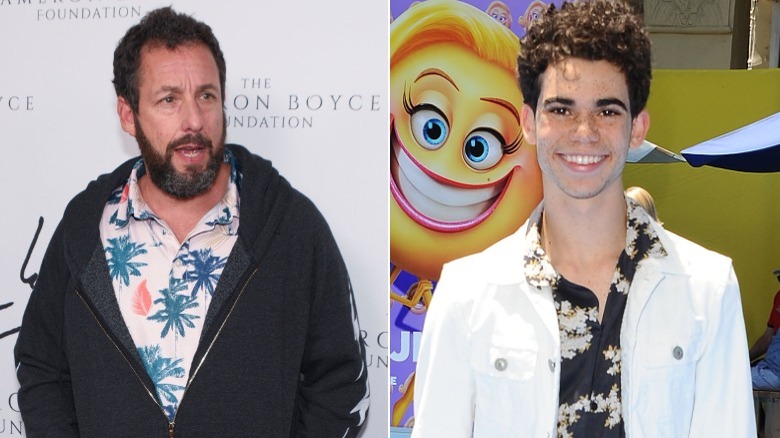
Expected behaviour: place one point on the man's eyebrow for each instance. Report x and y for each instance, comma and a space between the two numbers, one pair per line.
558, 101
599, 103
611, 101
169, 89
209, 86
177, 89
505, 103
436, 72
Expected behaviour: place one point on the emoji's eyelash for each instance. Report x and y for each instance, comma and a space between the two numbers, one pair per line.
511, 148
407, 101
409, 107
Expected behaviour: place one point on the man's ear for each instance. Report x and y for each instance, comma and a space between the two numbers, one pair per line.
528, 123
126, 116
639, 127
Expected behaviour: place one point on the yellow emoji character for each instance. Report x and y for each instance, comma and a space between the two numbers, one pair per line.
462, 175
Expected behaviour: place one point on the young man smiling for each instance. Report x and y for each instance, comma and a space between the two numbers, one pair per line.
591, 320
155, 313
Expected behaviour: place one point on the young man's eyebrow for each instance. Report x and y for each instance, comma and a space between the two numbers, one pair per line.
558, 101
611, 101
599, 103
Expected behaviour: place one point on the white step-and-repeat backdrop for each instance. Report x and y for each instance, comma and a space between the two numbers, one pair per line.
306, 88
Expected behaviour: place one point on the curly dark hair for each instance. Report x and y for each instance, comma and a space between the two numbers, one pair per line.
595, 30
164, 27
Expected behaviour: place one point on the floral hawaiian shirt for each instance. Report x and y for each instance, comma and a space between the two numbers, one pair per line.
163, 286
590, 397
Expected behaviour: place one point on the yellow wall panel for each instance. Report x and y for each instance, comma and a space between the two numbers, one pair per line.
734, 213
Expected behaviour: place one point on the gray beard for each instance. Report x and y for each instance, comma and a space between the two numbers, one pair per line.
181, 185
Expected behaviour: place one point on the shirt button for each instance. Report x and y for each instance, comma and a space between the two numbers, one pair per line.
677, 352
551, 364
500, 364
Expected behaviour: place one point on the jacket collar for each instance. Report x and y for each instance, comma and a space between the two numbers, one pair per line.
264, 203
651, 273
510, 254
642, 243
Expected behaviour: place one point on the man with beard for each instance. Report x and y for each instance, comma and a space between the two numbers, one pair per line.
154, 312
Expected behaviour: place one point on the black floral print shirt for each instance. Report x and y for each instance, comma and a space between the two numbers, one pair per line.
590, 398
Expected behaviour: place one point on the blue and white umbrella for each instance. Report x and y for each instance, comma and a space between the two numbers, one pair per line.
751, 148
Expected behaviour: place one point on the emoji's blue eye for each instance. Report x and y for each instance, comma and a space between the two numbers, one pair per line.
430, 128
482, 149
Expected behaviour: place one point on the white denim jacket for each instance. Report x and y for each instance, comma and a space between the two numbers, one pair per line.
489, 361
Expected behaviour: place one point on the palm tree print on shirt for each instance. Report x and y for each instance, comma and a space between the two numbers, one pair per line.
160, 368
226, 217
174, 307
204, 269
119, 255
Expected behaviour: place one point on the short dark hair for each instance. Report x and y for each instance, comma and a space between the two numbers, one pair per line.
595, 30
164, 27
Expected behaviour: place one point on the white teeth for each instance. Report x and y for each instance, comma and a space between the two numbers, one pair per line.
437, 200
191, 153
583, 159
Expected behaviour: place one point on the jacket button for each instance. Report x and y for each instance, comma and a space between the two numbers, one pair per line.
500, 364
677, 352
551, 364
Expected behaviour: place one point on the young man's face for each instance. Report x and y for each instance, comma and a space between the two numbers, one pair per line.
180, 121
582, 128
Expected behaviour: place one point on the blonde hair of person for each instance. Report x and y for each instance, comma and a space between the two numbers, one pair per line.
643, 198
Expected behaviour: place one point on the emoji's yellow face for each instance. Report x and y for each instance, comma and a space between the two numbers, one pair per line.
462, 176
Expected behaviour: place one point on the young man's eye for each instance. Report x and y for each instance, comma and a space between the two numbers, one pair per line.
610, 112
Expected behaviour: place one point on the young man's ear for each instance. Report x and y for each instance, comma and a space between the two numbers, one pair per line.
126, 117
639, 127
528, 123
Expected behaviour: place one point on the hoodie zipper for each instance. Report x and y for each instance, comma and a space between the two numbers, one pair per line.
171, 423
127, 360
208, 350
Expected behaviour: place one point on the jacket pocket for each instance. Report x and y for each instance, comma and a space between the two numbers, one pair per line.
664, 382
673, 350
517, 363
510, 395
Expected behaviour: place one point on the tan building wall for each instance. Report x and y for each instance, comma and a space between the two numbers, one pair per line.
766, 21
699, 34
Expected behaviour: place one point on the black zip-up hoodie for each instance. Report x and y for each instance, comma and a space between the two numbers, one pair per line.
280, 353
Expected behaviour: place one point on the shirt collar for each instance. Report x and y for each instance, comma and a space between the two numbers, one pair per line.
642, 241
130, 203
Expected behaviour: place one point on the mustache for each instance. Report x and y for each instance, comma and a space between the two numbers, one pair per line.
197, 139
